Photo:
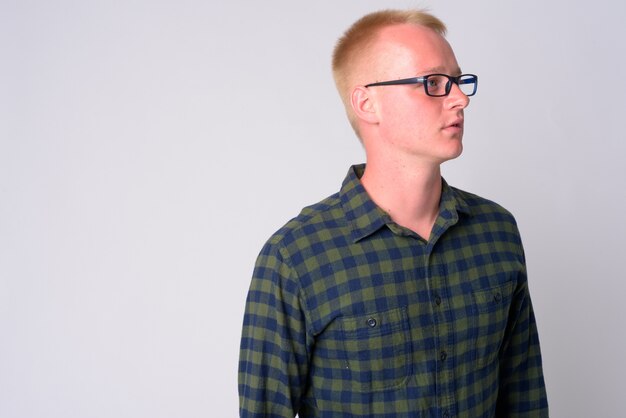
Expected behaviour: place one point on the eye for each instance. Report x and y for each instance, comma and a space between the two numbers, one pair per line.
436, 85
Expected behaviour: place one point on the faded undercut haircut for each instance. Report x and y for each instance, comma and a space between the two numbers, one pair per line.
356, 41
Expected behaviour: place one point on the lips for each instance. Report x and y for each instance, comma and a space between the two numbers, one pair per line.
455, 124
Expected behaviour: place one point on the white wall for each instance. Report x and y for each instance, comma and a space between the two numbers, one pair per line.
148, 149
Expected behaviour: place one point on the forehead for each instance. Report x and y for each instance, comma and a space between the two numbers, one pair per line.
413, 48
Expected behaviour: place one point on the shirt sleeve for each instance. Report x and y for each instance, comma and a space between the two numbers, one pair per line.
522, 389
273, 360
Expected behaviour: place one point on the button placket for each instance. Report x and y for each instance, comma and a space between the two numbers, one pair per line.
497, 297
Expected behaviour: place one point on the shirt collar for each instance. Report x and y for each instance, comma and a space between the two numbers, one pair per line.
365, 217
452, 200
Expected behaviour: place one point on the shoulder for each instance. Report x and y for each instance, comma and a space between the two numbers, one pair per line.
490, 228
288, 249
314, 224
487, 219
482, 208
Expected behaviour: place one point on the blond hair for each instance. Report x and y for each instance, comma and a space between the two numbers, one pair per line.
356, 41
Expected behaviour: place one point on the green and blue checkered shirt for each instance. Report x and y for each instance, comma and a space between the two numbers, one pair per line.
351, 315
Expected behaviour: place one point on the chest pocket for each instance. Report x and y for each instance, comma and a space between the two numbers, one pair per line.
492, 307
377, 349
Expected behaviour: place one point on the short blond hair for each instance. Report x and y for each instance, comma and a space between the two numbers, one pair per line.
361, 35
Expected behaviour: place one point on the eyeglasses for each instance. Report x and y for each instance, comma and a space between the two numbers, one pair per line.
437, 85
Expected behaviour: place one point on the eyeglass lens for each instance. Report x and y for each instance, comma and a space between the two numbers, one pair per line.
440, 85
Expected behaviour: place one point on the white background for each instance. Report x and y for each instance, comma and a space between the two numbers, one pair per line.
149, 148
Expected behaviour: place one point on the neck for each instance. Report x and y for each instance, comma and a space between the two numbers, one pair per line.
410, 194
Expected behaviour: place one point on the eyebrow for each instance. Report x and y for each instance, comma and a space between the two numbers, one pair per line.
440, 70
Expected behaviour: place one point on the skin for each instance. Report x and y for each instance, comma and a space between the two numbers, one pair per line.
407, 135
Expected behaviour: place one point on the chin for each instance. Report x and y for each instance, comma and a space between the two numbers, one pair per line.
456, 148
459, 150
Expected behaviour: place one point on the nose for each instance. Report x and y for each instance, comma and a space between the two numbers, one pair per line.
457, 98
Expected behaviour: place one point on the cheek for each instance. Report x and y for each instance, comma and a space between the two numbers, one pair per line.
402, 111
413, 120
406, 128
408, 115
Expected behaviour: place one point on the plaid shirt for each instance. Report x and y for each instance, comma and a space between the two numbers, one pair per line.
351, 315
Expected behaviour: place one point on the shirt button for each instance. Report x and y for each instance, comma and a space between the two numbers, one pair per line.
371, 322
438, 300
443, 355
497, 297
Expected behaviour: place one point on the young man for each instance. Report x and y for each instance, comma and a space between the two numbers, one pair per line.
398, 296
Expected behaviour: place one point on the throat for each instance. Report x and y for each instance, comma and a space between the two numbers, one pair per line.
421, 226
409, 195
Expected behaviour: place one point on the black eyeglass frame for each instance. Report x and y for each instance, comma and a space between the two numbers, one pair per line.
470, 79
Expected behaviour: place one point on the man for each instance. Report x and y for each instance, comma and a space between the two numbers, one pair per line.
398, 296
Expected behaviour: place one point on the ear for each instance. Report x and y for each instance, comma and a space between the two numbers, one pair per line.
363, 105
